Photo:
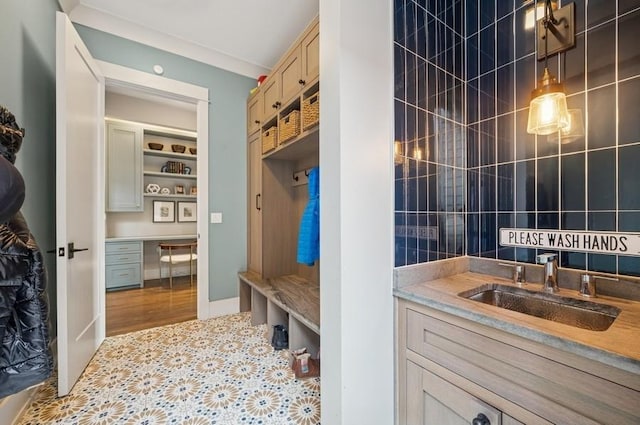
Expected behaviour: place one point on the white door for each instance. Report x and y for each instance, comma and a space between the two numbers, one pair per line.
79, 207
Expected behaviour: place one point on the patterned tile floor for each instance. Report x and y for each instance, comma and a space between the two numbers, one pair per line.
217, 371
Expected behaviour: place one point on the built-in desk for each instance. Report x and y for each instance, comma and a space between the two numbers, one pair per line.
150, 238
124, 259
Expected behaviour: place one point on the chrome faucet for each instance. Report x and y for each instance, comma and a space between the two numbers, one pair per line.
550, 262
588, 284
517, 271
518, 275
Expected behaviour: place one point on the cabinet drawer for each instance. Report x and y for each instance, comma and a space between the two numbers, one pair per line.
444, 400
123, 258
123, 275
122, 247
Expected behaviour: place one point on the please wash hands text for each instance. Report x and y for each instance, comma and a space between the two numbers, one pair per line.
604, 242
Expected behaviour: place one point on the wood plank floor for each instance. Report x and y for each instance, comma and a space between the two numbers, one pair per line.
154, 305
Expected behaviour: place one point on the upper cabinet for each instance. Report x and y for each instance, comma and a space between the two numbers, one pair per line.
293, 74
124, 167
290, 74
271, 94
310, 56
255, 112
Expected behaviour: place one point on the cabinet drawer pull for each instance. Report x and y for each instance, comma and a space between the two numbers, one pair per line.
302, 82
274, 106
481, 419
124, 275
257, 121
258, 196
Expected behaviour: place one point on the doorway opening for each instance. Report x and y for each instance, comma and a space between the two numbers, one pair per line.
172, 119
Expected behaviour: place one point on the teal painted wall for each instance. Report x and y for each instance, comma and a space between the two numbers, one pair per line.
227, 145
27, 88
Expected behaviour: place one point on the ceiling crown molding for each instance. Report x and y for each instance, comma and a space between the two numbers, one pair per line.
122, 28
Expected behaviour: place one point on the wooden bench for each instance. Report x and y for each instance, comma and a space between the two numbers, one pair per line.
285, 300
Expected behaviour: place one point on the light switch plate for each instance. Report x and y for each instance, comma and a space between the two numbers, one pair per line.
216, 217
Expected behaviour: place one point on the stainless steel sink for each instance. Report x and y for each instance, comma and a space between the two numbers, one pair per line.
578, 313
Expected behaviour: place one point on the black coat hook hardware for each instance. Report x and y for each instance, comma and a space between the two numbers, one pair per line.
306, 173
295, 177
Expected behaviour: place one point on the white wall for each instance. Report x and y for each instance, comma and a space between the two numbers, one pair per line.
356, 217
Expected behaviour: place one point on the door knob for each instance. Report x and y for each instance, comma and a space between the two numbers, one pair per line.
72, 249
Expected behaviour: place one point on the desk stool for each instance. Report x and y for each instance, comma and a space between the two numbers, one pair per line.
172, 258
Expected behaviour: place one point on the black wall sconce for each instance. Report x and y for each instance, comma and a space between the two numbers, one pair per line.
548, 108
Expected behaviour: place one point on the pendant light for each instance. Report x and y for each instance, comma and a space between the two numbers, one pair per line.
548, 108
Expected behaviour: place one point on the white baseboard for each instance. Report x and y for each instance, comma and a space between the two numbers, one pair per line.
224, 307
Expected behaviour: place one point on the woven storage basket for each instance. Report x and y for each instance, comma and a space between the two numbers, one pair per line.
311, 111
269, 139
289, 126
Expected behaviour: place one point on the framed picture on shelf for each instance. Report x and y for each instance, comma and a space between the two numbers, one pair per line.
179, 189
187, 211
164, 211
194, 190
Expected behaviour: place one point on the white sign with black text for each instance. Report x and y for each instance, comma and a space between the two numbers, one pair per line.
600, 242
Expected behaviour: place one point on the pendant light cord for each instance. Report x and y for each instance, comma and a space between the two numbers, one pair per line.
547, 5
548, 18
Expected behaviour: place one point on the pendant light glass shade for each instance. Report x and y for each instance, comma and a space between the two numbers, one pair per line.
572, 132
548, 108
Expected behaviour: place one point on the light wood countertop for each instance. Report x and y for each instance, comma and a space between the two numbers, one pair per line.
618, 346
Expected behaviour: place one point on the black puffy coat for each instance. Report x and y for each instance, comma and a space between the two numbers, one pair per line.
25, 357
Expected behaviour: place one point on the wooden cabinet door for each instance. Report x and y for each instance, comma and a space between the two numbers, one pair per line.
432, 400
124, 168
271, 97
290, 74
255, 109
255, 204
310, 52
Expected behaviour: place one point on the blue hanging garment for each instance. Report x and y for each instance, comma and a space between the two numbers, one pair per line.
309, 236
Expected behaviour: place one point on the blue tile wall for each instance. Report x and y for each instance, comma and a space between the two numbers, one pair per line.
430, 130
465, 165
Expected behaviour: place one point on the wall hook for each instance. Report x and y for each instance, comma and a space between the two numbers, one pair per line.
300, 177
